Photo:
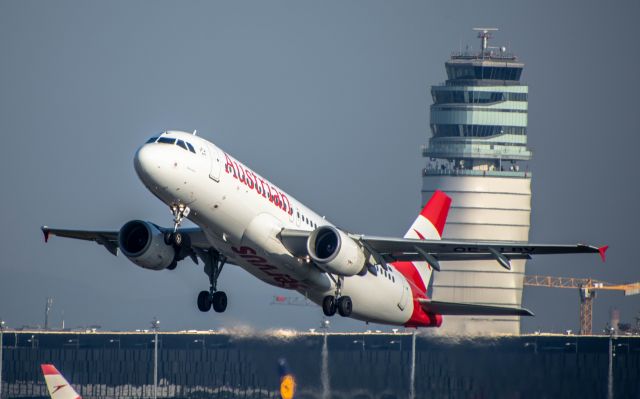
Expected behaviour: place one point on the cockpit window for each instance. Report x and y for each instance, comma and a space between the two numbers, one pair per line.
166, 140
191, 147
152, 140
182, 144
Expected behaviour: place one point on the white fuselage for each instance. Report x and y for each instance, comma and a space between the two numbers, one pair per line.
241, 214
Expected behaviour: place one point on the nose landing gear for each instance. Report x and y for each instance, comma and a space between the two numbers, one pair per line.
179, 212
338, 303
213, 263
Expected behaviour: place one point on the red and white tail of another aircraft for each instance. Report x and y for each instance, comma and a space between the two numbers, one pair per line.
58, 386
246, 220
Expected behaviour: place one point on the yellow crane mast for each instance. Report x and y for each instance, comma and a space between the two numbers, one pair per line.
587, 288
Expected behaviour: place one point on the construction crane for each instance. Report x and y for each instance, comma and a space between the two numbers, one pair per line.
587, 288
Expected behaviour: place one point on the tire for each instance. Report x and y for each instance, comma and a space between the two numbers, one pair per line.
329, 305
177, 239
204, 301
219, 301
345, 306
168, 238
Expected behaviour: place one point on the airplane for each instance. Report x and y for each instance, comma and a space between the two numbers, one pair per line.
58, 386
244, 219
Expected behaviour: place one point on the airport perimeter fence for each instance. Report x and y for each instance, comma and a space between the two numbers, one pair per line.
362, 366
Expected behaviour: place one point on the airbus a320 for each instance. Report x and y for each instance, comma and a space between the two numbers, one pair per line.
245, 220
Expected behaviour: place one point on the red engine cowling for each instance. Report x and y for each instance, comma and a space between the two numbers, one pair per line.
143, 244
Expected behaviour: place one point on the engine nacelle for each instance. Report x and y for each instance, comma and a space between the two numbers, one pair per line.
335, 252
143, 244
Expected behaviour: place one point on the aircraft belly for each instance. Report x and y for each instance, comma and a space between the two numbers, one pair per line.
376, 299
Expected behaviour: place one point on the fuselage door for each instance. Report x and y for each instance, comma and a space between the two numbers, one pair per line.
406, 293
215, 158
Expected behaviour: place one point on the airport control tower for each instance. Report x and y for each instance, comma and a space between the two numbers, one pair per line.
478, 155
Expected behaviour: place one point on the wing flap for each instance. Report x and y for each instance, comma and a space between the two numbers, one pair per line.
416, 257
469, 309
440, 247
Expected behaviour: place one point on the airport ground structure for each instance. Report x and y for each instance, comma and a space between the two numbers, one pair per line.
355, 365
478, 155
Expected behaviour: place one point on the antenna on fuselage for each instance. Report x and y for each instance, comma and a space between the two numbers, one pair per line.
195, 131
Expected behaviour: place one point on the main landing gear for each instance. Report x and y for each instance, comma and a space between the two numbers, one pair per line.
213, 264
338, 303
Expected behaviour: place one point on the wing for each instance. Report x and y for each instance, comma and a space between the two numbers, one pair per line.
433, 251
109, 238
468, 309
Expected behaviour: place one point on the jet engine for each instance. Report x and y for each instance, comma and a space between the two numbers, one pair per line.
143, 244
335, 252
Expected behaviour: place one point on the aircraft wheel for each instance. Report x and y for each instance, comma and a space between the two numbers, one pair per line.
204, 301
174, 239
219, 301
345, 306
177, 239
329, 305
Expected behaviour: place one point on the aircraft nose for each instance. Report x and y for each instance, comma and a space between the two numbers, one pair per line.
146, 162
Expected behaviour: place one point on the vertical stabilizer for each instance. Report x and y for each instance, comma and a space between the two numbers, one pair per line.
429, 225
57, 385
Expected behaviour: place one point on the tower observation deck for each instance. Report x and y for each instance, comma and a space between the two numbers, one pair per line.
478, 154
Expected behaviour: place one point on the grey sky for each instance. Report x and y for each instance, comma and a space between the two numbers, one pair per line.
329, 100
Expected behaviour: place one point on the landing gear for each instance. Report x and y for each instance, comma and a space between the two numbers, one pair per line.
179, 212
342, 304
345, 306
213, 264
329, 305
204, 301
219, 301
175, 238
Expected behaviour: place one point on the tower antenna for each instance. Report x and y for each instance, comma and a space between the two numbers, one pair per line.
484, 34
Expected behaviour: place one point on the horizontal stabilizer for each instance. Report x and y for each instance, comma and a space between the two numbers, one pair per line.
469, 309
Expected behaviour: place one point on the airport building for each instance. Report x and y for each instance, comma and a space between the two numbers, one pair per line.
365, 365
478, 155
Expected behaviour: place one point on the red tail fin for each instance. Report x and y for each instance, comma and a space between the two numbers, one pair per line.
437, 209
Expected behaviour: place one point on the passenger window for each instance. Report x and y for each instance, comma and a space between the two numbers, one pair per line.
166, 140
182, 144
191, 147
152, 140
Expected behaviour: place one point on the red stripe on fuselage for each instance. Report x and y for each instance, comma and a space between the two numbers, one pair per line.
410, 272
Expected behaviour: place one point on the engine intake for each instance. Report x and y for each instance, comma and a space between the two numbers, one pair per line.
335, 252
143, 244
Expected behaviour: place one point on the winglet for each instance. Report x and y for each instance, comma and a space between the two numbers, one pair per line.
45, 231
603, 251
437, 209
